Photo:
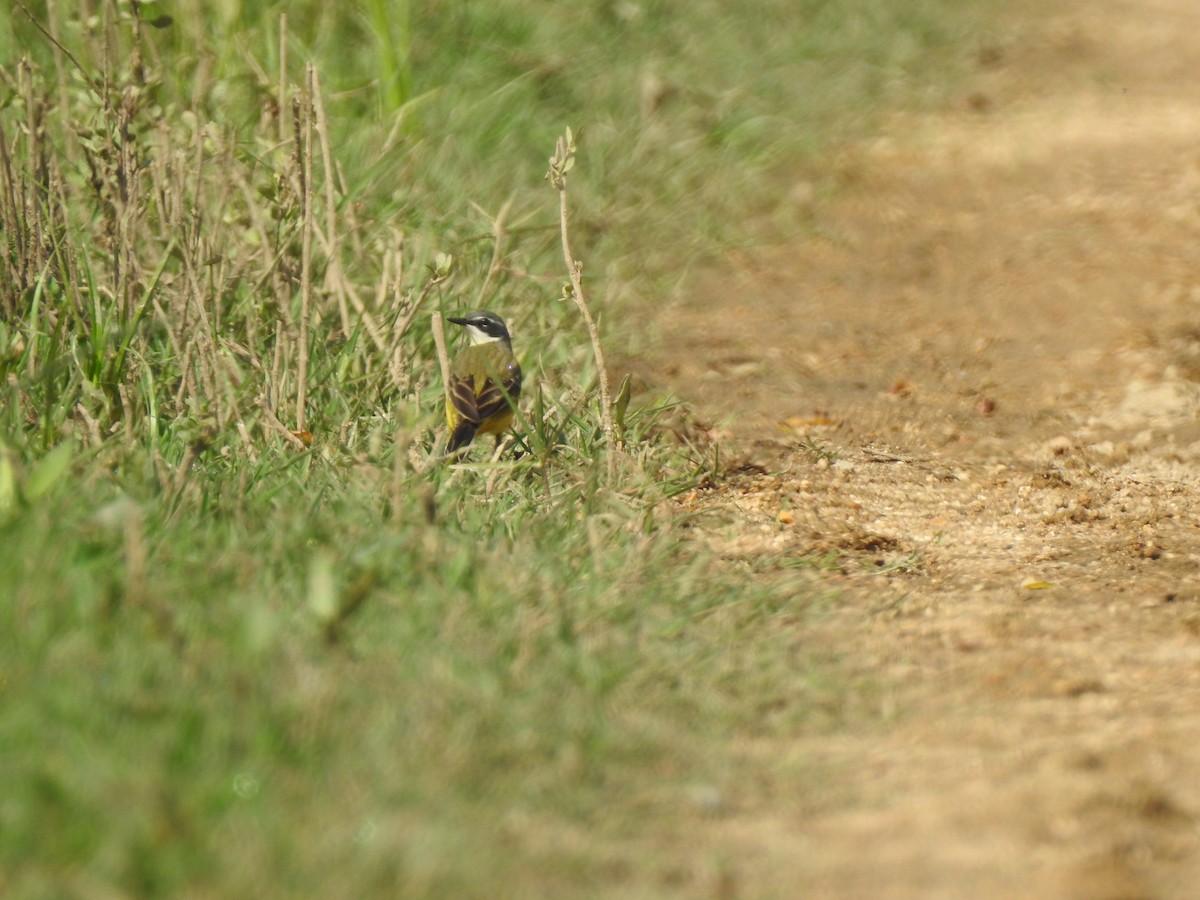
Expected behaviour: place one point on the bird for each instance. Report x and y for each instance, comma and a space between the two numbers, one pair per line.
485, 381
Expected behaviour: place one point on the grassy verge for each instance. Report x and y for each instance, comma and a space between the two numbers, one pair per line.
253, 640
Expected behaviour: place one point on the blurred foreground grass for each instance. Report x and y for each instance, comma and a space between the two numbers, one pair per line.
253, 640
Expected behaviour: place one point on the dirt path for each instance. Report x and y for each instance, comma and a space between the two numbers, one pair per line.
975, 397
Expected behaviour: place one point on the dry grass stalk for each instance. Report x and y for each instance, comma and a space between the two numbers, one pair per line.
334, 275
303, 111
439, 341
281, 99
400, 328
561, 163
278, 427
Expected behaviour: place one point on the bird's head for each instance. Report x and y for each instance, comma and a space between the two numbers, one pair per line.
483, 327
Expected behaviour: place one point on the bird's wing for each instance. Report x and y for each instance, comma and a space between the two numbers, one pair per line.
476, 403
494, 398
462, 396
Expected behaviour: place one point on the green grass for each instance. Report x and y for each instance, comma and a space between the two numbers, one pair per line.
179, 711
234, 666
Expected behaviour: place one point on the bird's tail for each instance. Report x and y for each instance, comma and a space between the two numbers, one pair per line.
461, 436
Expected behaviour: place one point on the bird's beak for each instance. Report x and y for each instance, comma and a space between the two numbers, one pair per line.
456, 320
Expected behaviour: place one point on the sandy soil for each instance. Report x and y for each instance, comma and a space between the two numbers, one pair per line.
973, 395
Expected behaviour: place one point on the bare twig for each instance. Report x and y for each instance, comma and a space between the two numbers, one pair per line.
561, 163
401, 327
500, 234
59, 48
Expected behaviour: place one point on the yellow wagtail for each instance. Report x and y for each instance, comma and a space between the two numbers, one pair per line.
485, 381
